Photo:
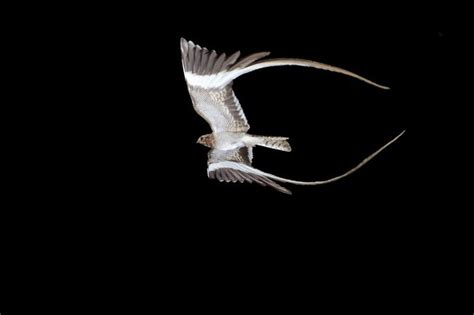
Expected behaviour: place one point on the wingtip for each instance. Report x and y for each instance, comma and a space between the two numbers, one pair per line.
400, 134
380, 86
280, 188
184, 44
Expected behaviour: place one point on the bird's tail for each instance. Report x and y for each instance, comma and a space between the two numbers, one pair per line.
277, 143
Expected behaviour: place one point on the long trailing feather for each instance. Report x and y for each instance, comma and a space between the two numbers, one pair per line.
256, 173
278, 62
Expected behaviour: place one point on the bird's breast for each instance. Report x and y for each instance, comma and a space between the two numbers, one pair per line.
228, 140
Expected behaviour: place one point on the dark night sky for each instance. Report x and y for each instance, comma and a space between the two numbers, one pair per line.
117, 172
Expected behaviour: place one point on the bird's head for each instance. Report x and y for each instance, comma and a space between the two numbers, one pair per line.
206, 140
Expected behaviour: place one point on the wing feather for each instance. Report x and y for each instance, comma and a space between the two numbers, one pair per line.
249, 60
233, 175
210, 62
197, 58
218, 65
204, 60
190, 55
231, 60
236, 176
220, 108
214, 101
241, 156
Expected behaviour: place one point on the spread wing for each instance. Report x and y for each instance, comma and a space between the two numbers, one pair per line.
235, 165
211, 91
209, 77
218, 169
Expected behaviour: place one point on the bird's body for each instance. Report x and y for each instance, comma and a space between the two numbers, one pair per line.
209, 78
225, 140
231, 140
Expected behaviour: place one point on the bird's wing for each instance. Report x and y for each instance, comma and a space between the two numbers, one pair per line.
200, 74
212, 99
239, 160
231, 169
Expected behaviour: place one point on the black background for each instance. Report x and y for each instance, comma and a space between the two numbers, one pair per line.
111, 192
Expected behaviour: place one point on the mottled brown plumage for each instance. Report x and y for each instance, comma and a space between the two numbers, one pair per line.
207, 140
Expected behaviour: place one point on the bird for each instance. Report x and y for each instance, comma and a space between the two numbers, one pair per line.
209, 77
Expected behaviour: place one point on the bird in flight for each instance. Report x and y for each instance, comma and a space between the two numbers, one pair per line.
209, 78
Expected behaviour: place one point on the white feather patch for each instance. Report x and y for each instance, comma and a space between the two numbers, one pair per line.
211, 81
235, 166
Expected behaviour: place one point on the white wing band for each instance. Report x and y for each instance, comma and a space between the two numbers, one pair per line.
208, 81
221, 79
